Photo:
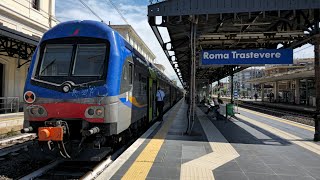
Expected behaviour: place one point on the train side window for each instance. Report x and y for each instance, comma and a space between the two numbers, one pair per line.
127, 79
125, 72
130, 73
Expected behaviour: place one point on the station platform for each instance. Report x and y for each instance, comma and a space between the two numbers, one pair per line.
284, 106
11, 122
249, 146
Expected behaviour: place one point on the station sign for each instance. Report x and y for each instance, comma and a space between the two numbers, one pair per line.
249, 57
235, 94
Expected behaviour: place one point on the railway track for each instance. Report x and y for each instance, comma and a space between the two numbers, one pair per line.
15, 144
296, 116
85, 170
289, 115
68, 169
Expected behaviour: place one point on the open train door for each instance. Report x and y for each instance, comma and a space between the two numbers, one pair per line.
152, 86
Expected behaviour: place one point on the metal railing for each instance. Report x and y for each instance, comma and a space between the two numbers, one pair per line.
9, 104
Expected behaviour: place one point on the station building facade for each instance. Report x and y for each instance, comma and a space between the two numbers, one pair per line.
135, 40
240, 82
22, 23
294, 84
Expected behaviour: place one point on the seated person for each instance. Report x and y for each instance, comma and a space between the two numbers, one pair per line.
213, 105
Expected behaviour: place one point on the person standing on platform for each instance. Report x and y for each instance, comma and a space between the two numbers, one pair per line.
271, 95
160, 103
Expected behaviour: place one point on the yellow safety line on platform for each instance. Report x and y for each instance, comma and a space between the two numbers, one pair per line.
306, 127
142, 165
284, 135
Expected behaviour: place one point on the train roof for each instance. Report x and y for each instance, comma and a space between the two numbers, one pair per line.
78, 28
97, 30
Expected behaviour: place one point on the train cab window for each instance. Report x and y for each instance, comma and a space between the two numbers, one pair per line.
56, 60
89, 60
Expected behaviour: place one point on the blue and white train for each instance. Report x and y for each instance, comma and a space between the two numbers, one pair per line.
88, 86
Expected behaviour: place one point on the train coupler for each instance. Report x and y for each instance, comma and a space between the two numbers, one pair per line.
53, 131
50, 133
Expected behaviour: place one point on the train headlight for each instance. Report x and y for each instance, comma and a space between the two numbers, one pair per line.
37, 111
34, 111
99, 112
94, 112
40, 111
66, 88
91, 112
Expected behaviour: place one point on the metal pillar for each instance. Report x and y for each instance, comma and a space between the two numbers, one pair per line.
192, 104
317, 75
219, 89
231, 88
276, 91
297, 91
262, 92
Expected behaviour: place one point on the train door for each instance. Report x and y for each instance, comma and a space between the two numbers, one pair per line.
152, 100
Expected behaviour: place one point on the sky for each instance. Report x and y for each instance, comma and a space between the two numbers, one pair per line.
135, 12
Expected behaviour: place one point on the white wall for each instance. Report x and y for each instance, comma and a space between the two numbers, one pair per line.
20, 16
14, 78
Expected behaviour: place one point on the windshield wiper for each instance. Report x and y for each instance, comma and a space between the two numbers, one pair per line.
48, 65
101, 69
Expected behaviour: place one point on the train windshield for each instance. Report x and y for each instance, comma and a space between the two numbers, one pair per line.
56, 60
88, 60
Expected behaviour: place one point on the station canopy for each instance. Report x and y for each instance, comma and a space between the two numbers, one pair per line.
230, 25
17, 44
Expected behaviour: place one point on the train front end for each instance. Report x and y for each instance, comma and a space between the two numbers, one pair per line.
69, 85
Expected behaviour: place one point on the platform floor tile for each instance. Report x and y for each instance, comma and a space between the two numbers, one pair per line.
268, 150
179, 148
247, 148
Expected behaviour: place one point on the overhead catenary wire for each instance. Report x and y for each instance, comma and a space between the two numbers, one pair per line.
95, 14
119, 12
303, 48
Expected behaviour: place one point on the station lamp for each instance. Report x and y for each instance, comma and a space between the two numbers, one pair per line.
173, 58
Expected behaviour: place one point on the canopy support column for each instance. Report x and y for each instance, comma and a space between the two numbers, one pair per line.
232, 91
192, 105
317, 75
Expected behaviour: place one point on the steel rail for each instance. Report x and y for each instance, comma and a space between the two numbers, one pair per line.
42, 170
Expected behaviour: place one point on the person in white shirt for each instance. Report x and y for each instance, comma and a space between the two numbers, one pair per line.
160, 103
